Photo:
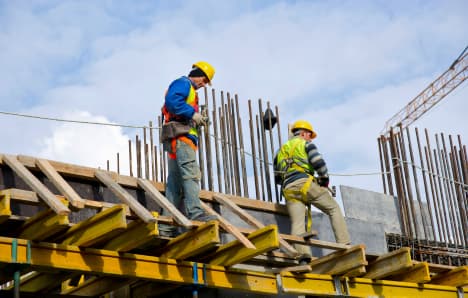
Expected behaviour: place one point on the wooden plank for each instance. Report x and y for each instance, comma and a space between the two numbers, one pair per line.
163, 202
87, 173
391, 263
264, 239
143, 213
294, 269
228, 227
340, 262
457, 277
419, 273
62, 185
97, 229
44, 193
252, 221
193, 242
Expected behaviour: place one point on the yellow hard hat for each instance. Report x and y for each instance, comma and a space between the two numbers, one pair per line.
207, 69
302, 124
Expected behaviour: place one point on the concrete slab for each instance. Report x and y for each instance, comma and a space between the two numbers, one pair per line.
372, 207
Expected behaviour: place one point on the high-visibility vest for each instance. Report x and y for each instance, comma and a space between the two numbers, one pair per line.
293, 157
192, 99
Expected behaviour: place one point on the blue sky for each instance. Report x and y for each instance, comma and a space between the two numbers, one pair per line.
347, 66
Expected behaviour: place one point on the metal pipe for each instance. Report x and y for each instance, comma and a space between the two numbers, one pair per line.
209, 165
382, 166
232, 130
254, 155
260, 156
118, 163
241, 144
426, 190
216, 141
451, 194
272, 150
265, 153
416, 185
434, 194
396, 169
145, 149
152, 149
224, 151
408, 182
130, 163
387, 165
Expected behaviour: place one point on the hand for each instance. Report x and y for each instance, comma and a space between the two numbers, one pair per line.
198, 119
323, 181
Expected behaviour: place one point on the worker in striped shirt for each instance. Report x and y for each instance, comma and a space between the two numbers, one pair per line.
295, 164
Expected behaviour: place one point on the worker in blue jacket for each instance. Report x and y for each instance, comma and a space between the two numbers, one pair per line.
181, 108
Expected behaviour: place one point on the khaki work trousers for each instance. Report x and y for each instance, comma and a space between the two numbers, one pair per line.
321, 198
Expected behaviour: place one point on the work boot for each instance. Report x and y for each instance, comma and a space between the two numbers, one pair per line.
167, 231
205, 217
305, 259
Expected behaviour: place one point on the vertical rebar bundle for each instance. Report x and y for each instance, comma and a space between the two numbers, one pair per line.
226, 164
437, 213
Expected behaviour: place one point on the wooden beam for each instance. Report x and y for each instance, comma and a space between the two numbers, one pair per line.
44, 193
252, 221
228, 227
60, 183
143, 213
163, 202
87, 173
97, 229
457, 277
340, 262
193, 242
391, 263
264, 239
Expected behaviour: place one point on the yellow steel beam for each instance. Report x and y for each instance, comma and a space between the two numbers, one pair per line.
99, 228
264, 239
457, 277
5, 210
43, 225
137, 234
326, 285
340, 262
96, 286
392, 263
193, 242
34, 282
61, 257
419, 273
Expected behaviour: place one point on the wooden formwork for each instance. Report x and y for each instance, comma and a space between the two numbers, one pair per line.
117, 244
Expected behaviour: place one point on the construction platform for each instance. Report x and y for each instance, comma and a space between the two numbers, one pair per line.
69, 231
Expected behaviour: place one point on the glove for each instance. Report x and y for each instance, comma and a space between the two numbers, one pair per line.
323, 181
199, 119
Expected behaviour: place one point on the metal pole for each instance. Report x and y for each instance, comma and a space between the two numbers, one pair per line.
382, 166
426, 190
272, 150
387, 164
254, 155
235, 156
216, 142
145, 148
260, 156
416, 186
209, 166
152, 149
130, 157
224, 149
241, 144
265, 154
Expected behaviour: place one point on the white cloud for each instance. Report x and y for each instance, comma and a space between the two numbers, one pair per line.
86, 144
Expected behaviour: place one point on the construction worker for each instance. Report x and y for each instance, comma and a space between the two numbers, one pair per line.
295, 164
180, 139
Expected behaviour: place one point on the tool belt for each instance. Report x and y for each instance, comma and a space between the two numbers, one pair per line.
173, 129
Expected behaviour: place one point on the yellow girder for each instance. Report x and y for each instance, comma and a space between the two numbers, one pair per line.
193, 242
43, 225
264, 239
5, 210
326, 285
59, 257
